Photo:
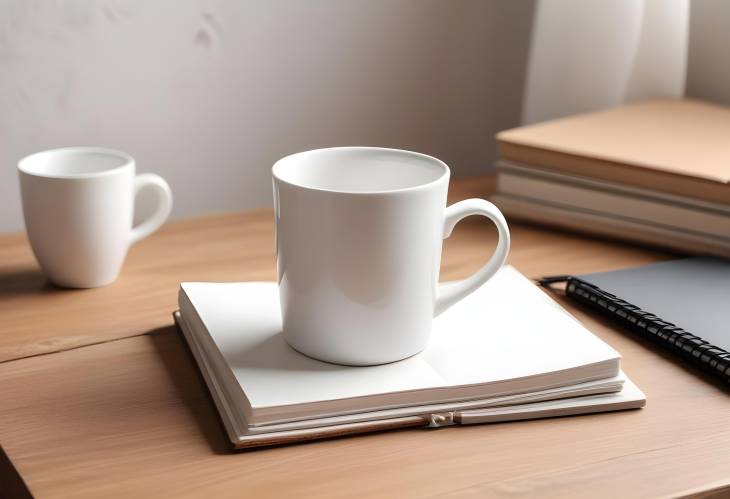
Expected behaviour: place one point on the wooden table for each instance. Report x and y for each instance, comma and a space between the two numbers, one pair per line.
99, 396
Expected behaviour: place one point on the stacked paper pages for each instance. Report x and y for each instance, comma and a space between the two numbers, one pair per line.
656, 172
506, 352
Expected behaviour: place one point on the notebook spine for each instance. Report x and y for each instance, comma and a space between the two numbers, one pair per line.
707, 357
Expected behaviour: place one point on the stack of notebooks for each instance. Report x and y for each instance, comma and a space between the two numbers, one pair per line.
506, 352
656, 172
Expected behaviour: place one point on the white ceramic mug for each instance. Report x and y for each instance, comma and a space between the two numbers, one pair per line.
78, 204
358, 245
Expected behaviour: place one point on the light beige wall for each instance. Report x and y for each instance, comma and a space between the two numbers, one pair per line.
210, 93
708, 71
593, 54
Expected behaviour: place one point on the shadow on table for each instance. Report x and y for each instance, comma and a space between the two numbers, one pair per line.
190, 386
192, 389
28, 281
11, 483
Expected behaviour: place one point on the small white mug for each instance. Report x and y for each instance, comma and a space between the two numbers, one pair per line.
78, 204
358, 243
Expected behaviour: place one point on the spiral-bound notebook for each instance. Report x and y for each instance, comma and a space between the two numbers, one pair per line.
681, 305
506, 352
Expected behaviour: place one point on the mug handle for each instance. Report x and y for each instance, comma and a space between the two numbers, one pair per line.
452, 292
164, 205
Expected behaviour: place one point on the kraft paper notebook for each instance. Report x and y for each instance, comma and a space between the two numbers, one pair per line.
655, 172
506, 352
677, 146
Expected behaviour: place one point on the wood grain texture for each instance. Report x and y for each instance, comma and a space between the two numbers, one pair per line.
131, 417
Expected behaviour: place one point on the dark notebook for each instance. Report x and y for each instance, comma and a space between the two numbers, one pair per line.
682, 305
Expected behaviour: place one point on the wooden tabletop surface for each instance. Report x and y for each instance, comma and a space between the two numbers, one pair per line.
100, 396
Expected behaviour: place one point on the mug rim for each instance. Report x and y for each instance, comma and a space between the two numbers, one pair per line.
23, 163
445, 171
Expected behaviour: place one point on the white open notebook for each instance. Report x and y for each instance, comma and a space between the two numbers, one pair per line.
505, 352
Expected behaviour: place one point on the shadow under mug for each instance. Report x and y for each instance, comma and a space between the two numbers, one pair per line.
78, 204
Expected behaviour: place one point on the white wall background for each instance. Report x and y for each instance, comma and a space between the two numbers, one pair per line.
209, 93
708, 71
592, 54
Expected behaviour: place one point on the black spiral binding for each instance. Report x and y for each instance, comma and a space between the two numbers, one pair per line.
707, 357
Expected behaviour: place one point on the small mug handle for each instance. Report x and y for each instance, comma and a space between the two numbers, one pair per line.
452, 292
164, 205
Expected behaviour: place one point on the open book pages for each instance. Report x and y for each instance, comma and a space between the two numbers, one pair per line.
508, 339
584, 398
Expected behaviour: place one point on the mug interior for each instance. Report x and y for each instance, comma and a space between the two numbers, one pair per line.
359, 170
74, 162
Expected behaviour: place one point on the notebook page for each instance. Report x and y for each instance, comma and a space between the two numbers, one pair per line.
244, 321
509, 329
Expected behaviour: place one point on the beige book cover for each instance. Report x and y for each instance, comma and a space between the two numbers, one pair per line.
680, 146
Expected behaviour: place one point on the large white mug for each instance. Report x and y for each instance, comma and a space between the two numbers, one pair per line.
78, 204
358, 244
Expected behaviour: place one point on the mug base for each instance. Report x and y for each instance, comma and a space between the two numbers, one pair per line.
351, 361
81, 284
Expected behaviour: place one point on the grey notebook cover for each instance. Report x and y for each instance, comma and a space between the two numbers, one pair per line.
692, 293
